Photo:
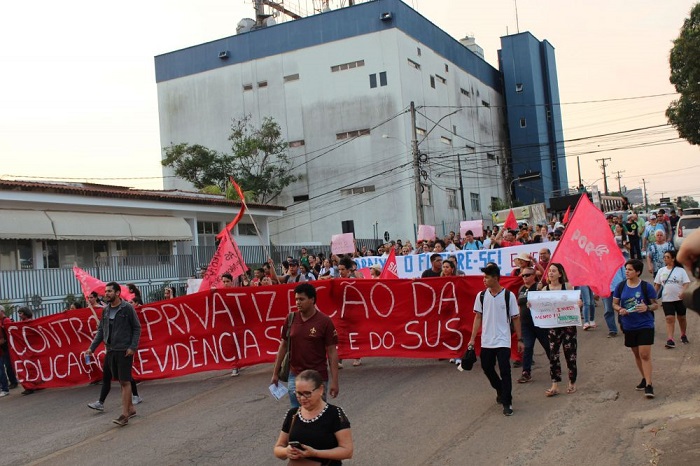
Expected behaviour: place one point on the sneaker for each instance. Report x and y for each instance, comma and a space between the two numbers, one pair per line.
670, 344
4, 394
642, 385
649, 391
121, 420
340, 364
525, 378
135, 399
684, 340
235, 372
28, 392
14, 385
452, 361
507, 410
593, 325
97, 405
458, 362
612, 334
517, 364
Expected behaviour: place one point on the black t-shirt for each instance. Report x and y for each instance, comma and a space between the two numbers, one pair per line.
430, 273
631, 228
319, 434
525, 314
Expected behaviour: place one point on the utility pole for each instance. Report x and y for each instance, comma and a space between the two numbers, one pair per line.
580, 183
605, 177
646, 199
619, 183
416, 167
461, 185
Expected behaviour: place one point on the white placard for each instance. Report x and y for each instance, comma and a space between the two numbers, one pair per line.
343, 243
555, 309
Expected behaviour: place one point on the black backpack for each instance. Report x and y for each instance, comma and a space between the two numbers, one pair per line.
507, 298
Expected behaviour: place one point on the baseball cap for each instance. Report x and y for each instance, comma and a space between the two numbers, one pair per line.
523, 256
492, 270
293, 262
652, 217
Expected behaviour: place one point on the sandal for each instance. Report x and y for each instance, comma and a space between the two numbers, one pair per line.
551, 392
571, 389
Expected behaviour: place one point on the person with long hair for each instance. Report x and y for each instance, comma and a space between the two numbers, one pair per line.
564, 337
670, 283
317, 432
635, 302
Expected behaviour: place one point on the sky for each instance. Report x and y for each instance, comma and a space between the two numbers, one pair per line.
78, 98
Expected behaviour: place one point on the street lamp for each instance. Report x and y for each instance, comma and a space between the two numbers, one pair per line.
527, 176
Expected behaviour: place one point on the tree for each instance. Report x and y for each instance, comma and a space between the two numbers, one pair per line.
684, 113
258, 161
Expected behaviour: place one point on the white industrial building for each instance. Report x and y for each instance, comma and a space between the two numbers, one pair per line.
340, 84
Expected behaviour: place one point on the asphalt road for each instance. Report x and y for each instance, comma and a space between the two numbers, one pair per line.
403, 412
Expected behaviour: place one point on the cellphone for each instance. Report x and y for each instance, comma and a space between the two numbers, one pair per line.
295, 444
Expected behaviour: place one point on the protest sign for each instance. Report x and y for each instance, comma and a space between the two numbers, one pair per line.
343, 243
426, 232
553, 309
217, 329
475, 226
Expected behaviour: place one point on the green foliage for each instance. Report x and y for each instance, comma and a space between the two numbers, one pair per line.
684, 113
258, 162
212, 189
498, 204
687, 201
78, 300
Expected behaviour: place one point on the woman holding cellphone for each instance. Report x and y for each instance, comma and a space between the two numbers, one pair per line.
317, 432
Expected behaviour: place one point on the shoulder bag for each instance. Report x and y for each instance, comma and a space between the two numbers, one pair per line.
283, 373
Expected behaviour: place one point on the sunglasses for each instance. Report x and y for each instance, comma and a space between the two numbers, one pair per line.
527, 274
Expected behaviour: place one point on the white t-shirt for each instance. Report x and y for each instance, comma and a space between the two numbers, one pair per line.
674, 286
495, 328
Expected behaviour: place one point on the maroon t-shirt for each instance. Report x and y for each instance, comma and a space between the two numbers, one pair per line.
309, 341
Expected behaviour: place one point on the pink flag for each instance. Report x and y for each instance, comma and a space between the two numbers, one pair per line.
565, 220
511, 223
390, 269
587, 249
88, 284
227, 259
240, 213
363, 273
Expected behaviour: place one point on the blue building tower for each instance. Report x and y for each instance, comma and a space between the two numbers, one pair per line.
531, 92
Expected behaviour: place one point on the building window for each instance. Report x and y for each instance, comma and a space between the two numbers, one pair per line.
302, 198
207, 231
247, 87
432, 81
413, 64
447, 68
247, 229
291, 77
357, 190
523, 123
373, 81
441, 79
298, 143
352, 134
554, 165
490, 156
262, 84
16, 254
382, 78
427, 194
348, 66
418, 51
476, 204
452, 198
464, 92
549, 115
519, 87
446, 140
485, 104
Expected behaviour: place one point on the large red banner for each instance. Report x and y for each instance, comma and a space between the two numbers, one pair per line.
219, 329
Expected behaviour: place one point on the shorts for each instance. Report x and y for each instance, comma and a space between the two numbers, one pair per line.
674, 308
641, 337
120, 365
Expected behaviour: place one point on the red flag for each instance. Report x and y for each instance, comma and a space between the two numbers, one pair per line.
227, 259
88, 284
390, 269
240, 213
587, 249
511, 223
565, 220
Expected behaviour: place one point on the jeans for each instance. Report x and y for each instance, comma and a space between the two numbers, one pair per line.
588, 304
530, 335
635, 248
503, 384
291, 386
609, 314
7, 373
4, 385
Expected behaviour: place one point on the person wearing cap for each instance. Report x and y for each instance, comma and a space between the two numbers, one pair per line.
376, 270
521, 261
648, 237
8, 379
494, 322
293, 275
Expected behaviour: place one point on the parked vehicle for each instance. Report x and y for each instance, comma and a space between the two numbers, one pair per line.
686, 225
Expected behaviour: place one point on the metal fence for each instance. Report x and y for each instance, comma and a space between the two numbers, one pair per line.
46, 291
